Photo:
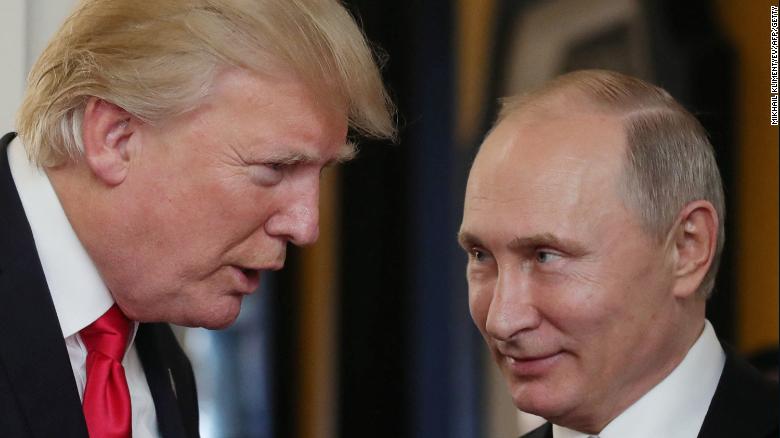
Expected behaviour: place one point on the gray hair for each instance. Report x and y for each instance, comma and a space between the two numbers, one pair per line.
669, 159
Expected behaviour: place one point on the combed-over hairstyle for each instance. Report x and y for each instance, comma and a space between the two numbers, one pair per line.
157, 58
669, 159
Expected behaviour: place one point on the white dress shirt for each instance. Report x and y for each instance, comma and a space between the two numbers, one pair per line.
79, 294
676, 407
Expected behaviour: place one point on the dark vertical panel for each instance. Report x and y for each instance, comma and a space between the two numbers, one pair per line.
432, 247
283, 304
374, 289
373, 380
410, 357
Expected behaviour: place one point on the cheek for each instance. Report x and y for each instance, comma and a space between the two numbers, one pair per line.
600, 331
480, 297
583, 312
573, 297
478, 305
212, 205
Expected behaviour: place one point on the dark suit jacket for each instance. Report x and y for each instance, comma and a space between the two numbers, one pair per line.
38, 394
745, 405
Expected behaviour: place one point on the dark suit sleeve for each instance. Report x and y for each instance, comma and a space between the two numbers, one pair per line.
38, 394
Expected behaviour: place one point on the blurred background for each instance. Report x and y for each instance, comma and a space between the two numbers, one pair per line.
368, 332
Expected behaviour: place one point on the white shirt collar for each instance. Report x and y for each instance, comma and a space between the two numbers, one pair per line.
562, 432
676, 407
79, 294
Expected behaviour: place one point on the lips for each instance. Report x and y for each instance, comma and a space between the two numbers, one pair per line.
530, 365
248, 276
248, 279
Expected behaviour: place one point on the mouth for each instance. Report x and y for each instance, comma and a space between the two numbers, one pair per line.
248, 279
530, 365
248, 275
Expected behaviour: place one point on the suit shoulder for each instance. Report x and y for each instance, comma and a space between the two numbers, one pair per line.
745, 404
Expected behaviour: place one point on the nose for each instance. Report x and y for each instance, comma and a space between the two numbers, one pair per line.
512, 309
298, 219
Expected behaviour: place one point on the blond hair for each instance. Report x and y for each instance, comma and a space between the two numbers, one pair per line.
669, 159
157, 59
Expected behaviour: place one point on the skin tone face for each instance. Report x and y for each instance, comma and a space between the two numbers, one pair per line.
184, 215
579, 306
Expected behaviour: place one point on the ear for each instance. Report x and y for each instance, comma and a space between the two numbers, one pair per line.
105, 132
695, 237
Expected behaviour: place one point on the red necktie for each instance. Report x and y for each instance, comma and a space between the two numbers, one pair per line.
106, 397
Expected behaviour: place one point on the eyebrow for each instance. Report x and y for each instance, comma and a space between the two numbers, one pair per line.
467, 240
523, 244
345, 153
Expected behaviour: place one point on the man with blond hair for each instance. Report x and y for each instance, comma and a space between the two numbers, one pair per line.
593, 222
168, 150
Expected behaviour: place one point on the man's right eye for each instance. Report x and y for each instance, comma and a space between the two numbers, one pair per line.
267, 174
478, 255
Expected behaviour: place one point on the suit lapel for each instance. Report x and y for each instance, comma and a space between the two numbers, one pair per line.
159, 375
32, 350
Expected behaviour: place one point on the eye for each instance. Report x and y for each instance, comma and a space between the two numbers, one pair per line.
478, 255
267, 174
543, 256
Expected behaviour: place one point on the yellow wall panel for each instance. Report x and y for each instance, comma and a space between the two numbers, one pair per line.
748, 26
317, 399
476, 19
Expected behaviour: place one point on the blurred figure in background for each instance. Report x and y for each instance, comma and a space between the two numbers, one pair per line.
168, 151
593, 221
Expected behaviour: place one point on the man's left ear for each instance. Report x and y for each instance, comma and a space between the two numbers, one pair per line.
695, 237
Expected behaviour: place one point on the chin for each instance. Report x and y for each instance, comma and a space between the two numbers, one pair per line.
188, 311
218, 324
210, 322
535, 399
213, 316
223, 317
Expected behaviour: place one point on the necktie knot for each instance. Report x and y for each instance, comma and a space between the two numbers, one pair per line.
108, 334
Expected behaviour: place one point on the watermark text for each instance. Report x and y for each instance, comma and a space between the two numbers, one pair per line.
773, 86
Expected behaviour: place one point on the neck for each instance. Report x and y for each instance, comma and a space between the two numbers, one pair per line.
83, 199
681, 336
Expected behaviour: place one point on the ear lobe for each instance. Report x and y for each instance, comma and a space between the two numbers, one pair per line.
105, 132
695, 241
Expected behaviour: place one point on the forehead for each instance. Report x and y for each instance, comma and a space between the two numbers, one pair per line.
549, 167
275, 109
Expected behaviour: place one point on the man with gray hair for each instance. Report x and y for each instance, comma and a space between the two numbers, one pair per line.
168, 151
593, 223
